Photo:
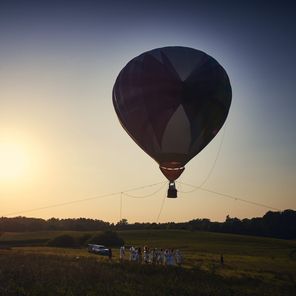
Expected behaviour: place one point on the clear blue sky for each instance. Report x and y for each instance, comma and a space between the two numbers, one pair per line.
60, 139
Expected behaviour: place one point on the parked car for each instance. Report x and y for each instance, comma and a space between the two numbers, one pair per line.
98, 249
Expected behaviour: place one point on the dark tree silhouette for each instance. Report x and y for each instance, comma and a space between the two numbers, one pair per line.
272, 224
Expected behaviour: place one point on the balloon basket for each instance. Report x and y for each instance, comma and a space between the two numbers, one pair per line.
172, 191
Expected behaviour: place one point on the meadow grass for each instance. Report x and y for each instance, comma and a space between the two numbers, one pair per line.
24, 273
252, 265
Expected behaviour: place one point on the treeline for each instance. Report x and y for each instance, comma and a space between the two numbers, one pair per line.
22, 224
272, 224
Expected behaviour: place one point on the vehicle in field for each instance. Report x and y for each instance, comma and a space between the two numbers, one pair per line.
98, 249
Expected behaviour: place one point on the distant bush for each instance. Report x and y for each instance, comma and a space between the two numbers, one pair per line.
65, 241
107, 238
83, 240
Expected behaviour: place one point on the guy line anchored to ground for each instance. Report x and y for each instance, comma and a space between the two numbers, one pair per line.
126, 194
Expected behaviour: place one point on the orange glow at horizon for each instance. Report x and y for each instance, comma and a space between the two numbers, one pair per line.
14, 161
20, 159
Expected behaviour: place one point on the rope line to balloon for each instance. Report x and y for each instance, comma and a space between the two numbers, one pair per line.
231, 196
81, 200
212, 167
161, 208
143, 187
146, 195
123, 194
120, 210
200, 187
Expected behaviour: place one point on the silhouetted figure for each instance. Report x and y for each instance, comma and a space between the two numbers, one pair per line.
110, 254
139, 255
222, 259
178, 257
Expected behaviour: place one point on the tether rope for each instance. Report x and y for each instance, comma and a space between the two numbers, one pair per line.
161, 208
146, 195
212, 167
231, 197
80, 200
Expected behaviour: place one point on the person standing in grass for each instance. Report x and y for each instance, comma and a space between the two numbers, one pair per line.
165, 256
170, 257
110, 254
146, 251
139, 255
161, 259
132, 253
121, 253
222, 259
158, 256
136, 255
178, 257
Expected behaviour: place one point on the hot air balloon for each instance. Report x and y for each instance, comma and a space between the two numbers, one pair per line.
172, 101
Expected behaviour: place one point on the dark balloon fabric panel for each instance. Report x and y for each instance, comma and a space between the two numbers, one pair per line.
172, 101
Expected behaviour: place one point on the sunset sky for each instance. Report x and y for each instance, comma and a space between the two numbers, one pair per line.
61, 141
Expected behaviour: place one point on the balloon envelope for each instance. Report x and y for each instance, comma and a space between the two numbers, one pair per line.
172, 101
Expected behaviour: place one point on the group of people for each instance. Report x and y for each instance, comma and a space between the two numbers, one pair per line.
152, 255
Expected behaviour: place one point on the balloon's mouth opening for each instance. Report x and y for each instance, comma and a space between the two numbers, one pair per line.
172, 170
172, 165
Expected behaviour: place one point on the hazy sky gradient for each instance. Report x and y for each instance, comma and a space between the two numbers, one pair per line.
58, 63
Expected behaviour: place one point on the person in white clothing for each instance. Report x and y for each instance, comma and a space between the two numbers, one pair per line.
178, 258
121, 253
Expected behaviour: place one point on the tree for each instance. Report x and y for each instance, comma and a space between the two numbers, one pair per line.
107, 238
63, 241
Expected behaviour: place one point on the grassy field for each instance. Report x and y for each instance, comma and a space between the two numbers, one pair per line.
252, 266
